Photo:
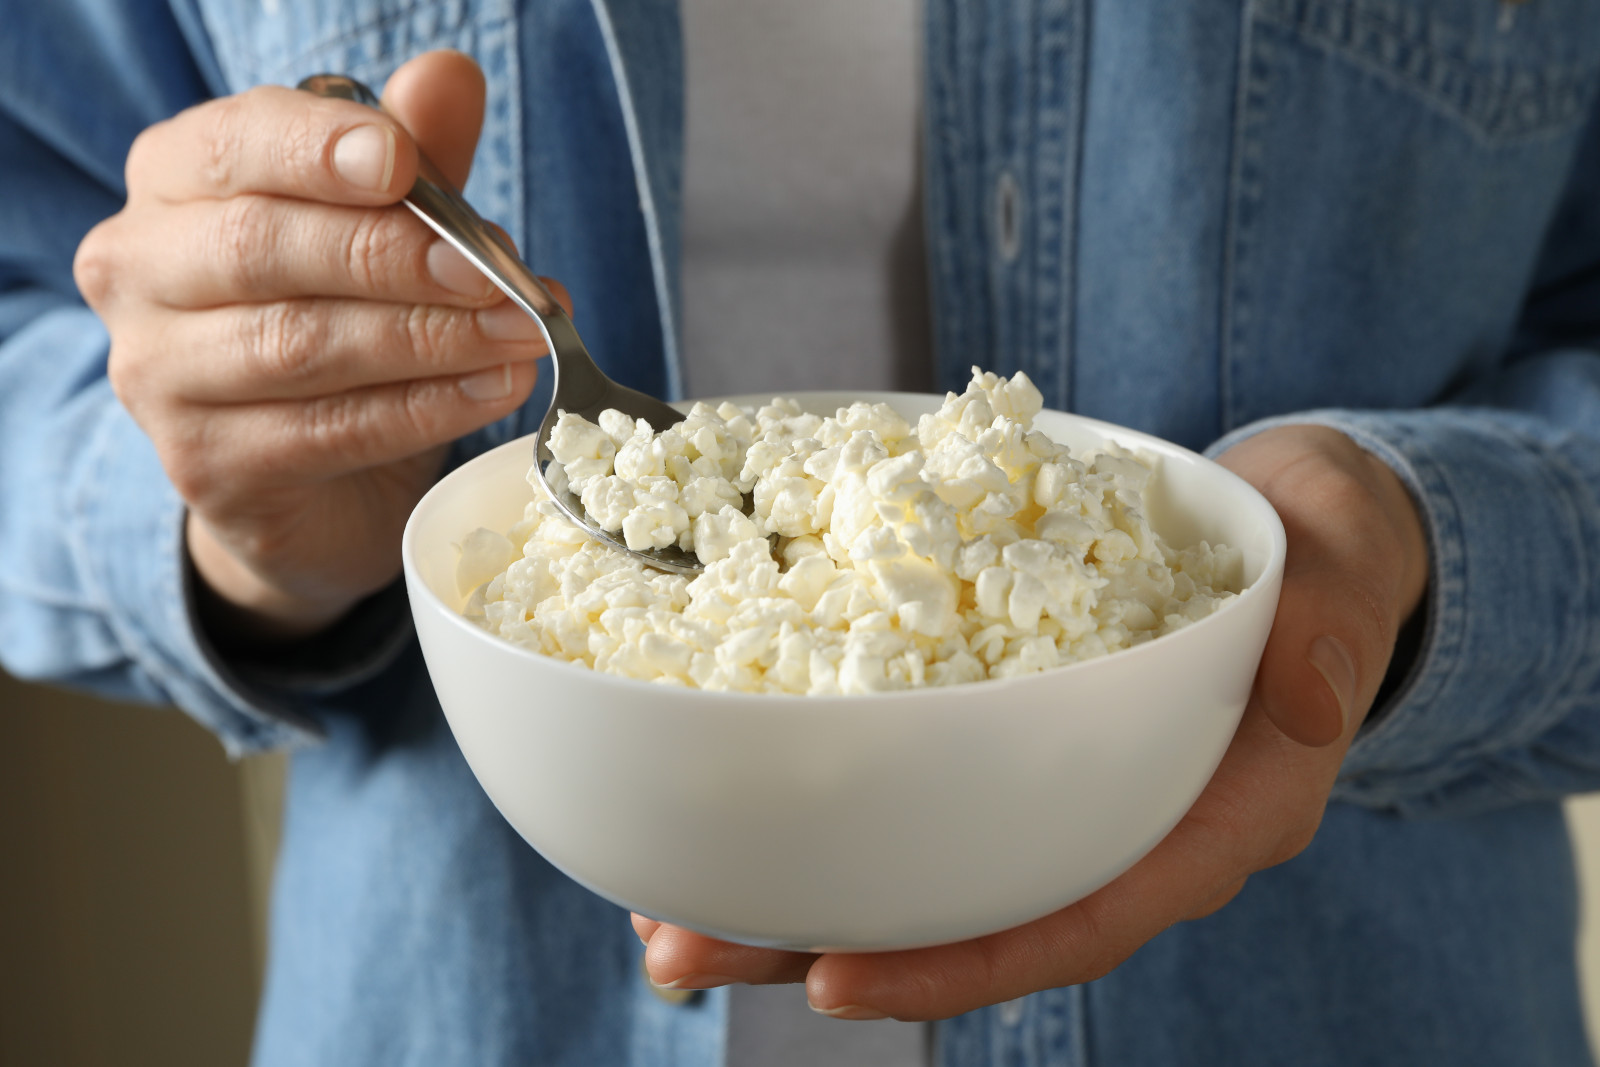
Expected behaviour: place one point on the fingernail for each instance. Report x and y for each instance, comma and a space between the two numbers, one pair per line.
486, 385
364, 157
698, 981
450, 269
507, 322
851, 1011
1338, 668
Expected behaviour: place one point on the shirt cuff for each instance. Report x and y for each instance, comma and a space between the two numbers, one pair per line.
1509, 609
127, 534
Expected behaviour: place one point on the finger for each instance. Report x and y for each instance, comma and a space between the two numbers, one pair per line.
276, 141
1239, 825
220, 457
1356, 565
681, 959
439, 97
308, 348
1326, 654
255, 248
557, 290
258, 248
1339, 610
1216, 903
643, 927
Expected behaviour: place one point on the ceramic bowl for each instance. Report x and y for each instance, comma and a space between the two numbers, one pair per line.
870, 822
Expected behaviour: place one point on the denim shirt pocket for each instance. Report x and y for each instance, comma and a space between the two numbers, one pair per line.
1394, 166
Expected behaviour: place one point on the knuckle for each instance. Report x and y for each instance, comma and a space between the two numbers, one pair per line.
268, 544
242, 228
430, 330
1330, 492
332, 422
1217, 903
1225, 813
187, 459
288, 339
94, 265
1103, 948
144, 147
126, 375
1295, 840
375, 247
222, 142
363, 422
302, 147
419, 411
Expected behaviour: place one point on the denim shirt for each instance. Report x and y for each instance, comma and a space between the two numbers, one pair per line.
1196, 219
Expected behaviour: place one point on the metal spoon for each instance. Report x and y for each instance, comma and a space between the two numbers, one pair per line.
580, 387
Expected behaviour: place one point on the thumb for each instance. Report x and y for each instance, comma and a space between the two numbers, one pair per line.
1356, 567
439, 98
1325, 657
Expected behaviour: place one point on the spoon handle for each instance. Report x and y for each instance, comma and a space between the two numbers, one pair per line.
438, 203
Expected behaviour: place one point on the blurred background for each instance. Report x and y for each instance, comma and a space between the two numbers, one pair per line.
134, 866
134, 869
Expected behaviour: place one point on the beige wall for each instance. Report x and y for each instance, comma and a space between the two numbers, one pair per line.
1584, 813
125, 913
133, 867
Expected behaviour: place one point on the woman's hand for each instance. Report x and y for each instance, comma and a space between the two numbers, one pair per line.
298, 346
1356, 569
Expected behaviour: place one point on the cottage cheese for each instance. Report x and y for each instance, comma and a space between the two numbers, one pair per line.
969, 546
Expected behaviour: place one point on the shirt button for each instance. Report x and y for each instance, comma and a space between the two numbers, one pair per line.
1007, 217
671, 996
1011, 1011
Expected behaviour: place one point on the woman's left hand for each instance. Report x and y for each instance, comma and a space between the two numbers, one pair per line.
1356, 570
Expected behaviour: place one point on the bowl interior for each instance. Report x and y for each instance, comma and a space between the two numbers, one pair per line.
1189, 500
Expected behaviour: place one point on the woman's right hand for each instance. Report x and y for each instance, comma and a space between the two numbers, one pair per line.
298, 346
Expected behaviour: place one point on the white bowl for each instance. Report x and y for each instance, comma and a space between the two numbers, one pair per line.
872, 822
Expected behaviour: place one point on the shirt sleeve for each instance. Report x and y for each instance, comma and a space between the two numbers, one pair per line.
94, 579
1501, 703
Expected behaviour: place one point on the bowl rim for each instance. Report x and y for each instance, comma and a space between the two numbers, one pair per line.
1271, 571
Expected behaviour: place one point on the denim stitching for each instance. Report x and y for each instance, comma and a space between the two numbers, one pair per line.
44, 595
464, 15
1441, 644
1495, 102
1579, 622
498, 154
254, 59
1244, 186
933, 166
91, 497
1079, 994
1056, 197
1472, 761
1585, 619
970, 59
1002, 148
986, 62
359, 48
946, 222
